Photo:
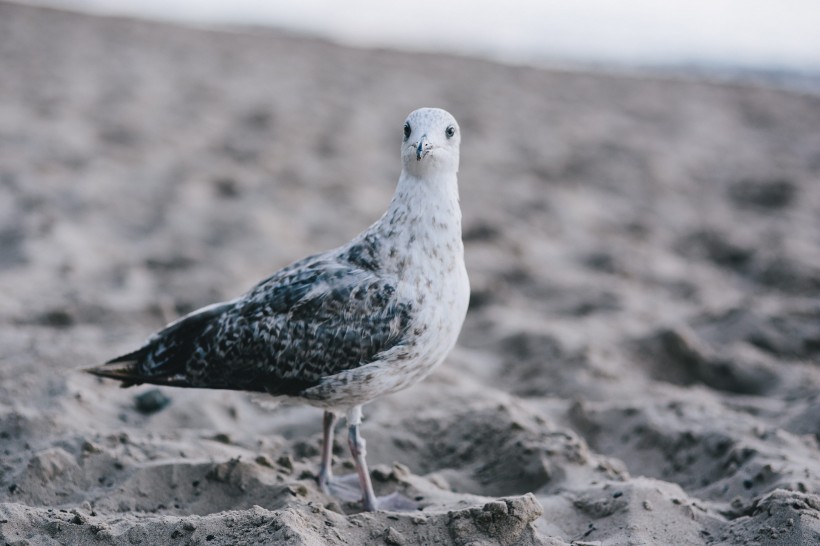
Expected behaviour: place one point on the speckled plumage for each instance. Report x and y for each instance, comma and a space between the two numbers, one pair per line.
340, 328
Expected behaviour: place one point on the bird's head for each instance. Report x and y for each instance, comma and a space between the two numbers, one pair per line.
430, 143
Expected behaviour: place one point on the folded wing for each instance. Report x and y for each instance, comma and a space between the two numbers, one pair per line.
311, 320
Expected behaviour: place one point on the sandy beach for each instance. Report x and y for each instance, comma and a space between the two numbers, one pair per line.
640, 362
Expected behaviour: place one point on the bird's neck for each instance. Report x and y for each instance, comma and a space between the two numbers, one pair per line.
423, 219
433, 197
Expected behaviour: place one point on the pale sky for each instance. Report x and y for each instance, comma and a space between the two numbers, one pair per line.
747, 33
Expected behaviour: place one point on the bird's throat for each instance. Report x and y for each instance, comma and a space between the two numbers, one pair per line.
423, 222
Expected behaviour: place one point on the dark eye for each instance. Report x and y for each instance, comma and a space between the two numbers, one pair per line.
407, 131
450, 131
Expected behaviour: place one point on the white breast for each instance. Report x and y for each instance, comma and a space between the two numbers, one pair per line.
421, 248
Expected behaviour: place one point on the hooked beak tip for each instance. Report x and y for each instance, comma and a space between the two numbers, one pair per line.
422, 148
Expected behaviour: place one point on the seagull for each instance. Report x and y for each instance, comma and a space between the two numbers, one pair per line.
338, 329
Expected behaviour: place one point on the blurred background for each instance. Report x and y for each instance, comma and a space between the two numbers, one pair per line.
777, 41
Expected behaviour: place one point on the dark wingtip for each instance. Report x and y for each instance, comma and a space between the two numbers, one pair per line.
126, 372
120, 370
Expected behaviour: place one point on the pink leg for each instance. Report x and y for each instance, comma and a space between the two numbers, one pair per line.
357, 449
326, 468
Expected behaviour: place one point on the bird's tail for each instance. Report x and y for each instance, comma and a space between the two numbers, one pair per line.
162, 359
128, 369
124, 368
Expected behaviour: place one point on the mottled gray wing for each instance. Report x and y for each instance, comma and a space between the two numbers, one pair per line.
309, 321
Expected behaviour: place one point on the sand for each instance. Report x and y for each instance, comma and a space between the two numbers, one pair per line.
641, 359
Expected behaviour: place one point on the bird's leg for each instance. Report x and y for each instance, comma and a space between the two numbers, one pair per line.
355, 486
357, 449
326, 468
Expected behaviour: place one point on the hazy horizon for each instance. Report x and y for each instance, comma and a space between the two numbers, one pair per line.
749, 35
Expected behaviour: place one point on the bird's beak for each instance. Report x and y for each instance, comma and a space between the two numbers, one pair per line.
423, 147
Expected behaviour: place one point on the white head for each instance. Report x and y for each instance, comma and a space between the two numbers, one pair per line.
431, 141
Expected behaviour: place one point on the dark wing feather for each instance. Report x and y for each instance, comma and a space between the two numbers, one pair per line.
311, 320
161, 359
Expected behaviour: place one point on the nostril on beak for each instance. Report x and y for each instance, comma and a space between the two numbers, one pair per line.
422, 148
